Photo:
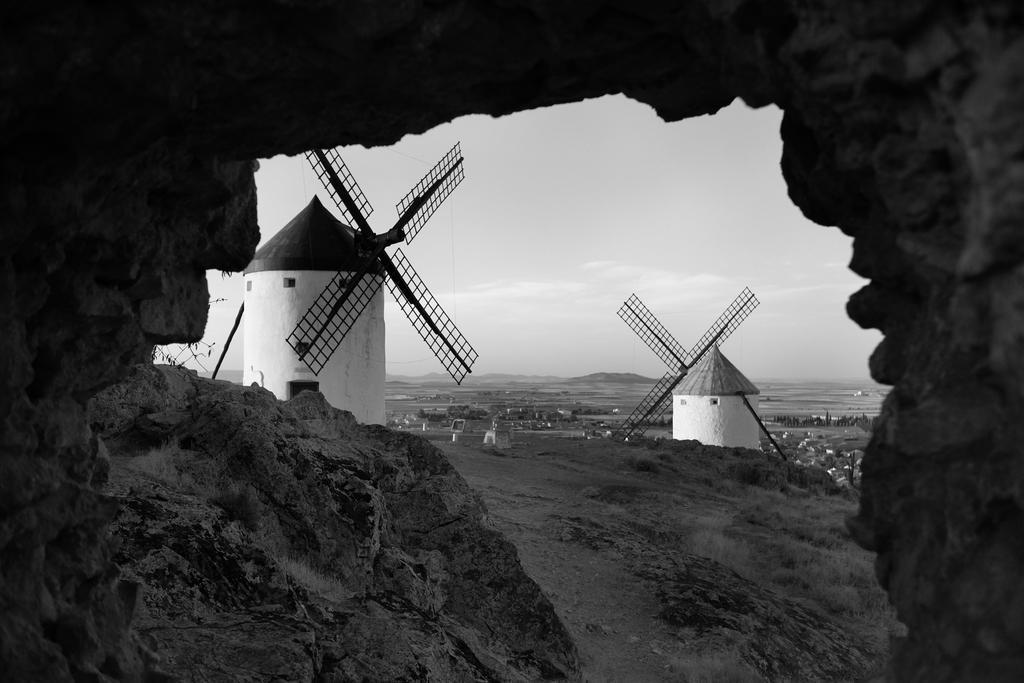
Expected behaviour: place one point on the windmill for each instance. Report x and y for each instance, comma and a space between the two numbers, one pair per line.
679, 361
317, 321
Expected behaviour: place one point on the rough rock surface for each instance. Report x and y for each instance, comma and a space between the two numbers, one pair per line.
782, 640
282, 541
125, 135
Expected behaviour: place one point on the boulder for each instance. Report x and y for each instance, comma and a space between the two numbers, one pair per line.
284, 541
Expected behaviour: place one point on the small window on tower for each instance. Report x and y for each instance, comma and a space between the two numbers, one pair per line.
714, 401
289, 282
682, 401
248, 286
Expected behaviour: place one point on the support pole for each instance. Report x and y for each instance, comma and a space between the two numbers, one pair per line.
760, 424
231, 334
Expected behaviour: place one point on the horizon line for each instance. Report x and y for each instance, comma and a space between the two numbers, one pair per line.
767, 378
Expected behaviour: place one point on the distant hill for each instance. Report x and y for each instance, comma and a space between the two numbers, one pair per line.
432, 377
612, 378
489, 378
504, 378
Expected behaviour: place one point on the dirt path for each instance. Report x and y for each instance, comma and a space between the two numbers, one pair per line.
557, 500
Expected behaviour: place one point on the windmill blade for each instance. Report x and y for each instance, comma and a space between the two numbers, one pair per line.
640, 319
653, 406
742, 306
419, 205
325, 324
342, 186
429, 319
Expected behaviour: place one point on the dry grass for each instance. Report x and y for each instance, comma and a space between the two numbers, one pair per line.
173, 465
312, 579
643, 464
796, 544
708, 538
799, 547
159, 463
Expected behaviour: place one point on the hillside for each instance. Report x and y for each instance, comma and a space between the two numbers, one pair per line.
280, 540
679, 562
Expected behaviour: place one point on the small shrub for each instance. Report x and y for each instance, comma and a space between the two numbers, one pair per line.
242, 506
841, 599
788, 578
641, 464
762, 514
159, 463
821, 538
726, 487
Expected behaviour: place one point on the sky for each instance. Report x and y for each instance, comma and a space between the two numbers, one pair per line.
566, 211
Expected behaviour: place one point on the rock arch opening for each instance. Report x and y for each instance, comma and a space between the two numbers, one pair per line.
125, 140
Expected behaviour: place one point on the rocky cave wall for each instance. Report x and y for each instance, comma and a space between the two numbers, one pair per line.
125, 140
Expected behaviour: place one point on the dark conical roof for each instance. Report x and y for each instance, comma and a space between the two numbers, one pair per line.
313, 240
714, 375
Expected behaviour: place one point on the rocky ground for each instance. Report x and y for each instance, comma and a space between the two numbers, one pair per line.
282, 541
684, 562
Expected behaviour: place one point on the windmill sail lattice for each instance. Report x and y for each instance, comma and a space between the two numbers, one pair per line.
658, 400
430, 320
337, 308
653, 333
323, 162
652, 407
326, 322
448, 173
741, 307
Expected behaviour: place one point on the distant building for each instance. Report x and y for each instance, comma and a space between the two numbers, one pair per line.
706, 407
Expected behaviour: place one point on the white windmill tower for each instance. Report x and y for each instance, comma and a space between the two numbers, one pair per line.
315, 301
715, 404
708, 394
281, 283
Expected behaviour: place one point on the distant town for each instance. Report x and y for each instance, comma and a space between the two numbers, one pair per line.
592, 407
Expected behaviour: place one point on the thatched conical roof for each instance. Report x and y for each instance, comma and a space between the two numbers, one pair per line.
714, 375
313, 240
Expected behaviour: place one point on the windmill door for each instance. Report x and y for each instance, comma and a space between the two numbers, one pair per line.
296, 388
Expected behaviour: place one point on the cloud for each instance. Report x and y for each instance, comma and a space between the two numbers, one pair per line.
506, 290
615, 271
597, 292
771, 292
666, 292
